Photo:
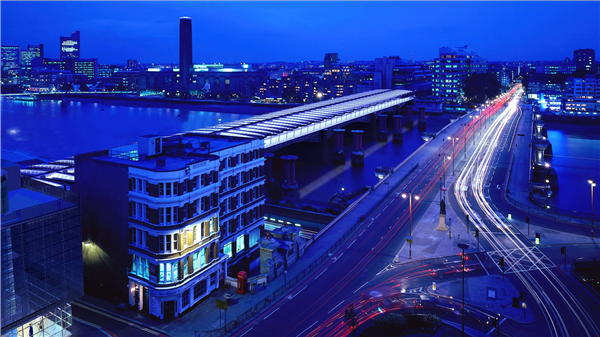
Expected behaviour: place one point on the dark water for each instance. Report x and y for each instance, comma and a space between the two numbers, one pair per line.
45, 129
576, 159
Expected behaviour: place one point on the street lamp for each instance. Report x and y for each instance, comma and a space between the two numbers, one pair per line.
410, 197
453, 156
463, 246
444, 167
592, 184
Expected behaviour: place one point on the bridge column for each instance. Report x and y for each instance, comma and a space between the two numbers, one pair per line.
269, 168
538, 125
339, 153
422, 122
398, 129
382, 132
358, 156
289, 185
408, 122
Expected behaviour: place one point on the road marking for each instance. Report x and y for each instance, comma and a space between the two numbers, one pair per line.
382, 237
246, 331
268, 315
481, 264
351, 243
498, 325
370, 223
337, 258
378, 215
361, 287
361, 233
398, 218
321, 273
307, 328
390, 226
451, 261
335, 307
384, 208
292, 297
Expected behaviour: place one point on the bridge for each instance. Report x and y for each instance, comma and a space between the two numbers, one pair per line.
287, 126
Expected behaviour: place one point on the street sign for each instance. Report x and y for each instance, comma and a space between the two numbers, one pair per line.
409, 239
221, 304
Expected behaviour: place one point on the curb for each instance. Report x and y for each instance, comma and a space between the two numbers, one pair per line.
131, 320
478, 307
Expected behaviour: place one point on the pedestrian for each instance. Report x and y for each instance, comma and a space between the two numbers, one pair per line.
30, 330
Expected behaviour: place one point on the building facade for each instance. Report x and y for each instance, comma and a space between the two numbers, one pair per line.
582, 95
70, 46
584, 59
41, 257
450, 71
185, 53
154, 208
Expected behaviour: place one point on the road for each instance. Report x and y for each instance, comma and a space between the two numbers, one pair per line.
562, 312
354, 273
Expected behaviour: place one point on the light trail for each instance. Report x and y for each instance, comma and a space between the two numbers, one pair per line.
474, 174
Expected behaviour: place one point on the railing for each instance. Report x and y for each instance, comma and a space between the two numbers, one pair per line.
65, 199
231, 326
554, 212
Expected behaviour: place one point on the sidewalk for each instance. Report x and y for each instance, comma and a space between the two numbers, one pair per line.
517, 186
488, 292
205, 316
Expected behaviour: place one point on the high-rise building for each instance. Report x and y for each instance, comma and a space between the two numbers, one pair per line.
451, 69
171, 216
582, 95
11, 57
70, 46
584, 58
185, 53
41, 256
132, 64
396, 73
330, 60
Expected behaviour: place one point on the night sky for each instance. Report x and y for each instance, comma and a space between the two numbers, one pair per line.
299, 31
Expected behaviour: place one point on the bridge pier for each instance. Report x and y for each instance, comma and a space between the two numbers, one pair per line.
398, 137
339, 153
358, 156
269, 169
372, 132
408, 122
289, 185
382, 132
422, 123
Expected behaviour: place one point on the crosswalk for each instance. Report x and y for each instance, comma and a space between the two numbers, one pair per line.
521, 260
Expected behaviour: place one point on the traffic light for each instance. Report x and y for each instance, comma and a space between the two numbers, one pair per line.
494, 322
501, 262
467, 218
522, 296
527, 219
537, 238
476, 233
563, 250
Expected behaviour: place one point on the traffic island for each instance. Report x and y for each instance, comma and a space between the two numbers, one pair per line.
489, 293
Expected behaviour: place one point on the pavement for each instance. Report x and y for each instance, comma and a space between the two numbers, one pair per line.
205, 317
489, 292
517, 184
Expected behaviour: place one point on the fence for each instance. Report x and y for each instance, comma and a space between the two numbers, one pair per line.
231, 326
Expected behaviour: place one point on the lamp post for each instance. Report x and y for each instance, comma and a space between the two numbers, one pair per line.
592, 184
444, 169
453, 156
463, 246
410, 197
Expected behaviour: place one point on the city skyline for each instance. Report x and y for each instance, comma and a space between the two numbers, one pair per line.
243, 32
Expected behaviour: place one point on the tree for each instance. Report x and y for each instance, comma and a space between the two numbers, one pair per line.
391, 323
480, 86
350, 317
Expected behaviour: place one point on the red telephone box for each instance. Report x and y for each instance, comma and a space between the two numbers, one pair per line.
241, 282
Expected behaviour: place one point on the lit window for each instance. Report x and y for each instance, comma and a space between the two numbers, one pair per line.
240, 243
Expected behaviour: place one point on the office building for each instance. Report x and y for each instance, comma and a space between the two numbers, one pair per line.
582, 95
132, 64
185, 53
330, 61
396, 73
11, 57
87, 67
584, 59
450, 70
169, 213
70, 46
41, 256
